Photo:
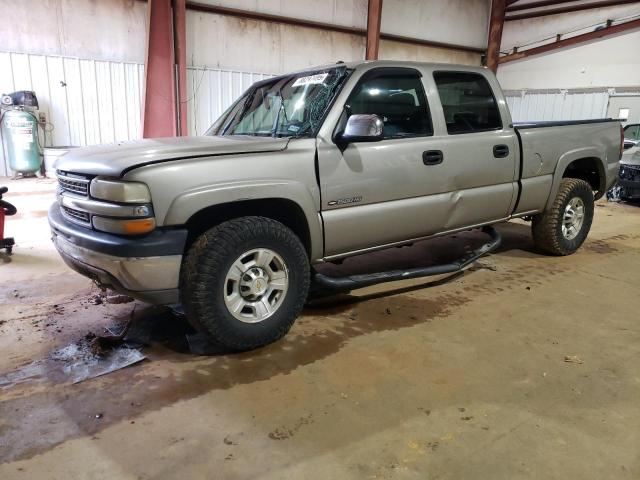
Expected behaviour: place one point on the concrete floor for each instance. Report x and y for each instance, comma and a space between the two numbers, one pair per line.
460, 378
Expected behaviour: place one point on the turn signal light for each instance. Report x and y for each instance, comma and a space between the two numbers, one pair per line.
136, 226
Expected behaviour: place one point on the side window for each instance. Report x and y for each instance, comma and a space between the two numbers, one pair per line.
397, 98
468, 102
632, 132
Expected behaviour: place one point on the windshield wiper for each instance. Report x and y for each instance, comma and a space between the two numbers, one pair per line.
280, 106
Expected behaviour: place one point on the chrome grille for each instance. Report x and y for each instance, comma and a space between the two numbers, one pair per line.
77, 215
630, 172
75, 185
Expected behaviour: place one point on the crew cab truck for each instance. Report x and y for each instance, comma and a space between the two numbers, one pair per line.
316, 166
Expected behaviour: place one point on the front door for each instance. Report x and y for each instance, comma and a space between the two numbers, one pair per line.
375, 194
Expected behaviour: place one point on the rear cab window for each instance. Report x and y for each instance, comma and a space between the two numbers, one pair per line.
397, 96
468, 102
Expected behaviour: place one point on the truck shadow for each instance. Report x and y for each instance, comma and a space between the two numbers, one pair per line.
163, 327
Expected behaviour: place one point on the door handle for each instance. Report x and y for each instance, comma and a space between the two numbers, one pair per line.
432, 157
500, 151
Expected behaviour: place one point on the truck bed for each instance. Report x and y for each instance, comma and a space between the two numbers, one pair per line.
544, 150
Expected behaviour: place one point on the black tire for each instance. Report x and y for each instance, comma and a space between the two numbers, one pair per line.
547, 226
205, 268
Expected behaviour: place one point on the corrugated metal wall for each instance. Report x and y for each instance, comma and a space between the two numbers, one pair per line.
210, 92
89, 102
86, 101
556, 105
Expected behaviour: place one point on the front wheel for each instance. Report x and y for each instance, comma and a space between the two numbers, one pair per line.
244, 282
563, 228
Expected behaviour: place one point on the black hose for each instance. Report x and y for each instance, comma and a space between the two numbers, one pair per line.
8, 208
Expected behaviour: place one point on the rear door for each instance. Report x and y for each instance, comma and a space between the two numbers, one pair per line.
479, 150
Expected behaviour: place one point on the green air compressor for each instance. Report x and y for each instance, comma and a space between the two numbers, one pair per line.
20, 132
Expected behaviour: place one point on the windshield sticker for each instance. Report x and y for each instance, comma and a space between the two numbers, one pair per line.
311, 80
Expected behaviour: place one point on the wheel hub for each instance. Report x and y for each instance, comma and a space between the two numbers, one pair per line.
256, 285
573, 218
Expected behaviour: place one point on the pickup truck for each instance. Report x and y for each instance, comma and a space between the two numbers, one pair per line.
316, 166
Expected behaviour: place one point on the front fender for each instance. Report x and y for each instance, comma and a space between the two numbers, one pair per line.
597, 153
188, 203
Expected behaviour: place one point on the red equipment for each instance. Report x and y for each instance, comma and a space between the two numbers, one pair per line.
6, 209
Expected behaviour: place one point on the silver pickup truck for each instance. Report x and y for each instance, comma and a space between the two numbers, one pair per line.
316, 166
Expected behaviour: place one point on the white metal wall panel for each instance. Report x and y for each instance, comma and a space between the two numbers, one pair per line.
557, 105
86, 101
211, 91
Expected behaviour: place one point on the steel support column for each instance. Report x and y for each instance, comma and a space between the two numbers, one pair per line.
165, 70
495, 33
374, 17
180, 29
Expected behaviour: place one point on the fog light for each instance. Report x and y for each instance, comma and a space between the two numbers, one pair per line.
141, 211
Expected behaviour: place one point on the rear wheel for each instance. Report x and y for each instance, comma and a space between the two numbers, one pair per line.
244, 282
563, 228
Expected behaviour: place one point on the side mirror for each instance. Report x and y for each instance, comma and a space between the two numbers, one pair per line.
361, 128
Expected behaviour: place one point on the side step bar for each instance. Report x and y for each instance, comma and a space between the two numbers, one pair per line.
340, 284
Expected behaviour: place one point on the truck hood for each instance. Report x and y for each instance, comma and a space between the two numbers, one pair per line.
116, 159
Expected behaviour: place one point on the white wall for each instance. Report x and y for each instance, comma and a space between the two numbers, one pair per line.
220, 41
608, 62
348, 13
392, 50
86, 102
110, 30
460, 22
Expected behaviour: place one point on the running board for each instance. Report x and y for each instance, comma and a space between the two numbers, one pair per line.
340, 284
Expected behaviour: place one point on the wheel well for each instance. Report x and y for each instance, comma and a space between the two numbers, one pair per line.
590, 170
284, 211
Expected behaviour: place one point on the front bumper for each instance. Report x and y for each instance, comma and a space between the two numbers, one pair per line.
145, 267
629, 181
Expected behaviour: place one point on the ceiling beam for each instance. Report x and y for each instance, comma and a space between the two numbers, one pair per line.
374, 18
265, 17
567, 9
567, 42
543, 3
496, 24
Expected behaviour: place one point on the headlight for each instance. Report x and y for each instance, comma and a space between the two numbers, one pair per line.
120, 191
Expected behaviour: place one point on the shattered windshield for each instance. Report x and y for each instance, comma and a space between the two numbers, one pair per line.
287, 106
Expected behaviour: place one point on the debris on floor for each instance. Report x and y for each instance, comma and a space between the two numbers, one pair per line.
572, 359
117, 299
81, 363
482, 266
101, 345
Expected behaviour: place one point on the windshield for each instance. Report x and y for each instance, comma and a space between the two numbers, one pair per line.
287, 106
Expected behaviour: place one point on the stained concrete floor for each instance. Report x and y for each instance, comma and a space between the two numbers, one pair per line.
461, 377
